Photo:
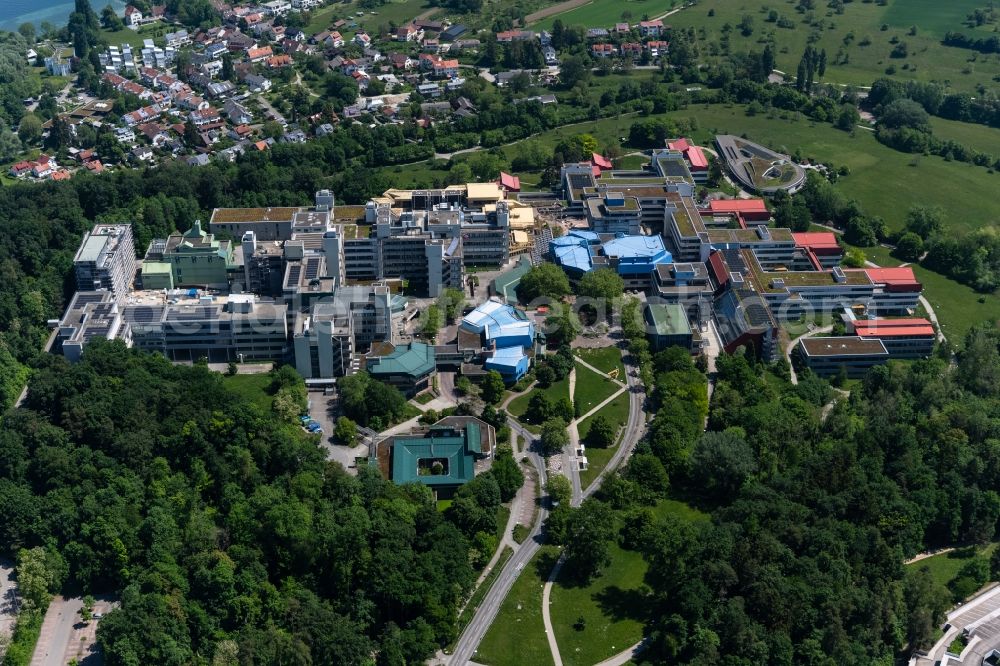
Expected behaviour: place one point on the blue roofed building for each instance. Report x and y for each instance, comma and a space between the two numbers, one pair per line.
510, 362
633, 257
506, 334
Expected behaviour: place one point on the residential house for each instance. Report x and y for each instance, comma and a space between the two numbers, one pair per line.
425, 24
61, 174
445, 69
295, 136
257, 83
550, 55
94, 166
603, 50
632, 49
155, 134
198, 160
597, 33
259, 55
408, 33
279, 61
206, 118
305, 5
240, 132
324, 130
428, 90
401, 61
622, 28
277, 7
362, 39
219, 89
141, 154
237, 113
20, 169
431, 45
133, 17
125, 135
43, 166
56, 66
145, 114
508, 36
651, 28
177, 39
466, 45
657, 48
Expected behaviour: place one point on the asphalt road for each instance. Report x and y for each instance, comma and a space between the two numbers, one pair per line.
57, 628
474, 632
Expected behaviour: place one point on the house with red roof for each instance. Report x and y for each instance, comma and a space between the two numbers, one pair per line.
133, 17
259, 55
61, 174
445, 69
696, 161
95, 166
21, 169
603, 50
279, 61
657, 48
632, 49
650, 28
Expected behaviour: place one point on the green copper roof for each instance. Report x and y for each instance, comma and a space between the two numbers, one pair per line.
505, 284
415, 359
455, 449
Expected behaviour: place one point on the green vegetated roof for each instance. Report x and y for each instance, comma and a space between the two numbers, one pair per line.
455, 447
669, 319
416, 359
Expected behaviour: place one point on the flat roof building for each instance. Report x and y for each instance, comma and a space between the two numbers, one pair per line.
106, 260
828, 356
667, 326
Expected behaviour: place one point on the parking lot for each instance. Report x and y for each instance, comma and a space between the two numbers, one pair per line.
322, 410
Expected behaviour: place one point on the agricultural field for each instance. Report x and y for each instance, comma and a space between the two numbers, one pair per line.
857, 46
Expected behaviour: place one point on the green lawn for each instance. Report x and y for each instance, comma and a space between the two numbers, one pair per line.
597, 459
517, 636
669, 507
135, 37
980, 137
927, 58
604, 359
477, 597
605, 13
957, 306
592, 389
881, 179
252, 388
519, 405
503, 515
931, 15
612, 607
944, 567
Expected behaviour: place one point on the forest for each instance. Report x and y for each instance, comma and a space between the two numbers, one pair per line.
222, 526
813, 514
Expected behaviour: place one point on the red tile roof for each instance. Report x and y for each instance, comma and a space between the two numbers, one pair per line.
893, 328
744, 206
697, 158
510, 182
679, 145
821, 242
893, 277
600, 161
